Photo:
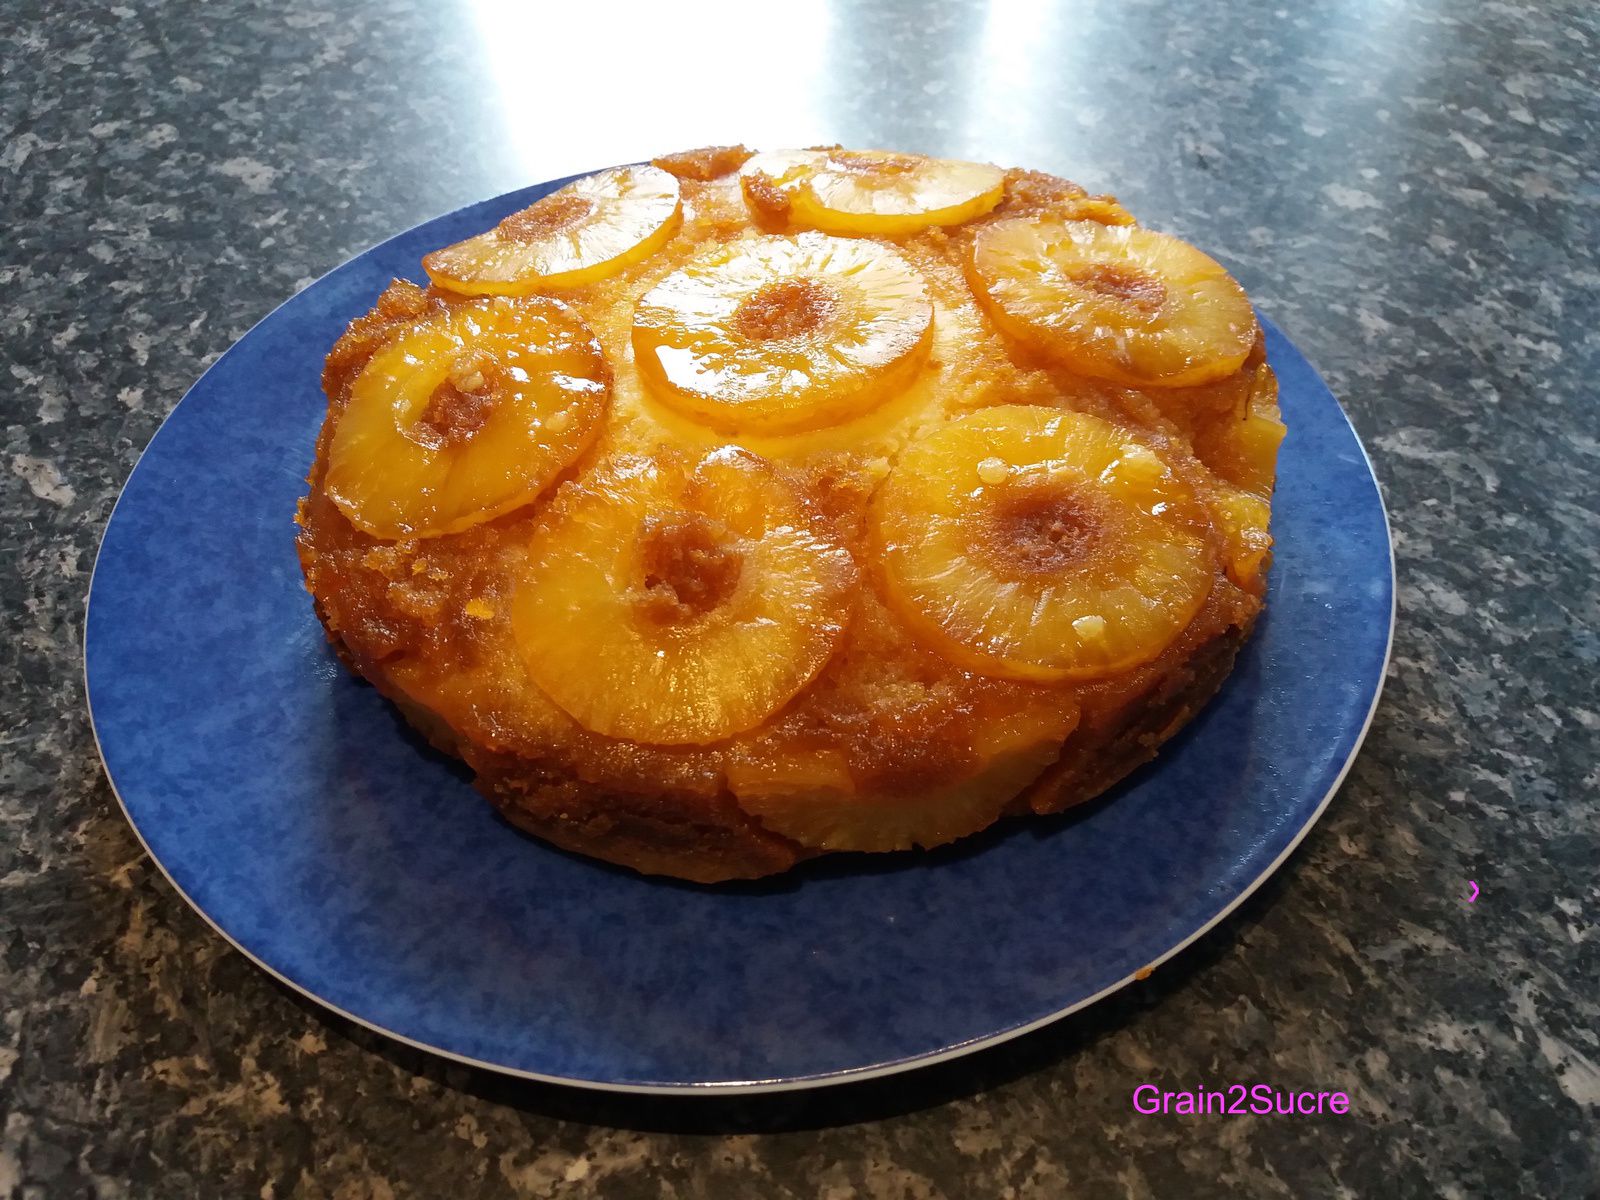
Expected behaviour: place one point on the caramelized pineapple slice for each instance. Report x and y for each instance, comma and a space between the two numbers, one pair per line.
1242, 446
1039, 544
813, 799
1116, 302
468, 413
875, 192
1242, 451
1243, 519
778, 334
592, 228
679, 604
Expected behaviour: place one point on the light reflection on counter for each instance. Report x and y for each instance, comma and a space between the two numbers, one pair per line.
581, 86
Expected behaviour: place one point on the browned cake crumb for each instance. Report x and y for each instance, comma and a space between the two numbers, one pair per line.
710, 162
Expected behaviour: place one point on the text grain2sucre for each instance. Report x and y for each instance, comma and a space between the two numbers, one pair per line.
1238, 1100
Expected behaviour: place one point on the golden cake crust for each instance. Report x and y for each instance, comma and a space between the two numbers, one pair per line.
888, 726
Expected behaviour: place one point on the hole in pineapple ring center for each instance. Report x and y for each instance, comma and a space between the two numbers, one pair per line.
1137, 289
690, 566
1039, 527
788, 308
553, 214
460, 405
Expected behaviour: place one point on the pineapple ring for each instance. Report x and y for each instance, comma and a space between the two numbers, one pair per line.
1243, 455
1244, 520
468, 413
679, 605
812, 798
1113, 301
592, 228
870, 191
1039, 544
778, 334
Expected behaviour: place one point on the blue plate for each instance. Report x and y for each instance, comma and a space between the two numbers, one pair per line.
288, 803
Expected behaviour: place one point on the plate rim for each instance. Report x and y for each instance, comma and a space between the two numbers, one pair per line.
726, 1087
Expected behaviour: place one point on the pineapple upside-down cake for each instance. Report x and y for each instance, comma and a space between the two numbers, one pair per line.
739, 508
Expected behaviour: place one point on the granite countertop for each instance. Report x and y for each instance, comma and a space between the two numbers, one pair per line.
1410, 189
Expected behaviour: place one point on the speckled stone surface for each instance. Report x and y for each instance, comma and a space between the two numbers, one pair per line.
1410, 189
